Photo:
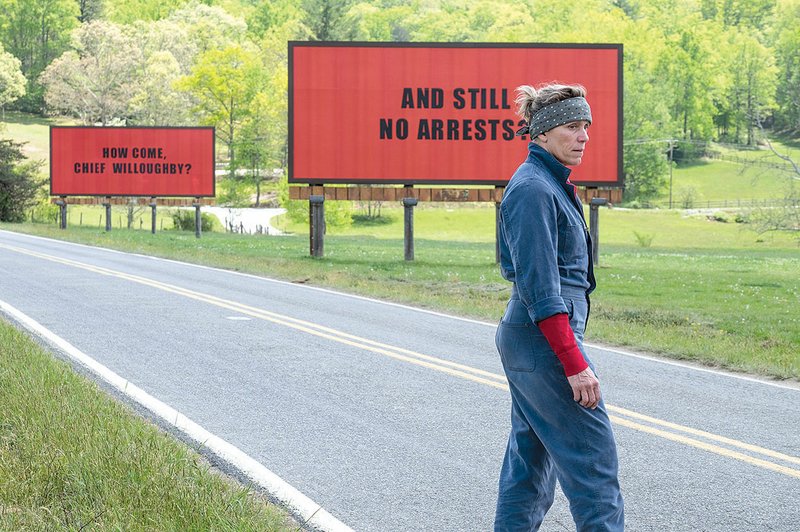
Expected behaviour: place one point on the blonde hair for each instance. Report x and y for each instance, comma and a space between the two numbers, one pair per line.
529, 99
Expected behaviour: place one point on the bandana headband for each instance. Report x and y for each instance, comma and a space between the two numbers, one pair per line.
557, 114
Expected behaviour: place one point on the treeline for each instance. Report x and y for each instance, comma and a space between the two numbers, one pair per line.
694, 70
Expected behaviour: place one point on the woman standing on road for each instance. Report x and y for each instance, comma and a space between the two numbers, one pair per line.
559, 425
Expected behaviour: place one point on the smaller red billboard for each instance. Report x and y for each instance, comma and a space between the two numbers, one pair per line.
131, 161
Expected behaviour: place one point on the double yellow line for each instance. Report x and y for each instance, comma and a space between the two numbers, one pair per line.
758, 456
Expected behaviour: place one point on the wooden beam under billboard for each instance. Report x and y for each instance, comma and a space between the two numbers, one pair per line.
426, 194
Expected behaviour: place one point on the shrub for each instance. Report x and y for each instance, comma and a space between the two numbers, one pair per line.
643, 239
183, 220
19, 181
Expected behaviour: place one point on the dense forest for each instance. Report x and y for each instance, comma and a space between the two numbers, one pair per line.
694, 70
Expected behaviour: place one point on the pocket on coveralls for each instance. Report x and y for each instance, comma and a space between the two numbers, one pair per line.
513, 338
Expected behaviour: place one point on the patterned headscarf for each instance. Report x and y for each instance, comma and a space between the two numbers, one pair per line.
557, 114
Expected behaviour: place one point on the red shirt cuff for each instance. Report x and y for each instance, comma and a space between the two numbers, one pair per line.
561, 338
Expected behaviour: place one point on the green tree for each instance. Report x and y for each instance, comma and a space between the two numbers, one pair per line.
90, 10
749, 13
18, 182
129, 11
689, 69
12, 82
271, 14
224, 83
96, 81
209, 27
329, 20
35, 32
753, 83
157, 102
787, 44
164, 36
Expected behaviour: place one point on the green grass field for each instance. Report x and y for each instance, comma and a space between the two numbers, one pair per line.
72, 458
739, 177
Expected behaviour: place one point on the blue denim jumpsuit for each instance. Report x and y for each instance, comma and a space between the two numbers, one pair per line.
545, 252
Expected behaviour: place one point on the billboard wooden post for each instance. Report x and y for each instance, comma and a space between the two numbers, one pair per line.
153, 206
198, 220
62, 206
497, 235
594, 225
316, 220
107, 205
408, 229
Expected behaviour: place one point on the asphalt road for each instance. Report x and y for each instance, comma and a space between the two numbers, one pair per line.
394, 418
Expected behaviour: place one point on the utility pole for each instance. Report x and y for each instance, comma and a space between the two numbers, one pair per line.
671, 146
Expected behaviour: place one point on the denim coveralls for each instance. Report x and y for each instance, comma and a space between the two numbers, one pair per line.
545, 252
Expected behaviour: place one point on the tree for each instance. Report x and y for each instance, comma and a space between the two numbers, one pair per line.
224, 83
270, 14
689, 69
329, 20
166, 35
35, 32
787, 43
90, 10
156, 101
749, 13
18, 182
12, 82
97, 80
753, 83
129, 11
210, 27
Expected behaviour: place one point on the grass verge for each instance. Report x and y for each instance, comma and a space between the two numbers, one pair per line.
734, 305
72, 458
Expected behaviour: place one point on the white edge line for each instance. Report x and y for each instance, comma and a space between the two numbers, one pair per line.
309, 511
417, 309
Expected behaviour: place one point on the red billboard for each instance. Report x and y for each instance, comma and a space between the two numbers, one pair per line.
439, 113
132, 161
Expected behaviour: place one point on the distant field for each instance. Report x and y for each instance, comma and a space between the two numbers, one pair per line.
32, 130
738, 176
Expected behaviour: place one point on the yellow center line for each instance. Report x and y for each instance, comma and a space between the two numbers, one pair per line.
704, 434
445, 366
707, 446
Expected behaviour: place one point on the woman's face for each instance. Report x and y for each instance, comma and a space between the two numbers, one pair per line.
566, 142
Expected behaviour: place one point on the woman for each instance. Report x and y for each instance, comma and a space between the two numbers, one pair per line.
559, 426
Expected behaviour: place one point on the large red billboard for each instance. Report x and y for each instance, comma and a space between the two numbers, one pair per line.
439, 113
132, 161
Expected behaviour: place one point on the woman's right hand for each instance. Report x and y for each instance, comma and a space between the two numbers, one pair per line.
585, 388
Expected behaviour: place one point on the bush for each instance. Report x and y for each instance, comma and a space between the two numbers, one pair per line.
183, 220
636, 204
643, 239
687, 196
337, 213
19, 181
44, 212
365, 220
